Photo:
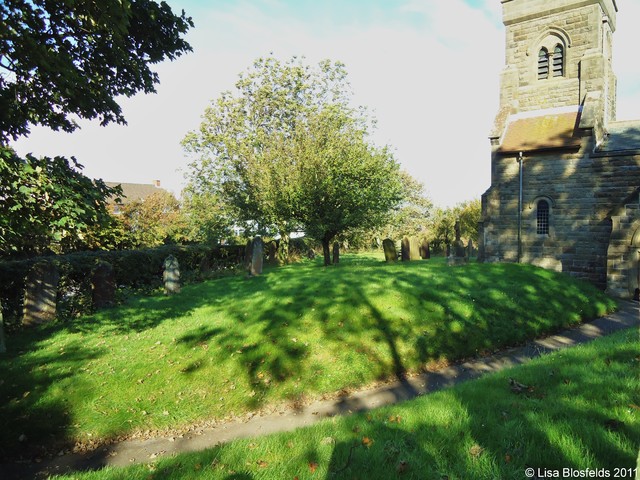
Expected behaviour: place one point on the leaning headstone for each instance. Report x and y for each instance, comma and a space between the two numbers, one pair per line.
257, 253
171, 275
272, 247
3, 343
390, 252
414, 248
336, 253
425, 252
41, 290
103, 285
405, 249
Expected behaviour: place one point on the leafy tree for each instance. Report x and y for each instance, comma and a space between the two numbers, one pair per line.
442, 224
60, 58
413, 214
154, 221
246, 146
345, 182
47, 204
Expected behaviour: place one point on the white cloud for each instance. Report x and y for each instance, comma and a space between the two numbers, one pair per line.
428, 68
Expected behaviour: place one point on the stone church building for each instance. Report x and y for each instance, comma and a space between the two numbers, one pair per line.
565, 175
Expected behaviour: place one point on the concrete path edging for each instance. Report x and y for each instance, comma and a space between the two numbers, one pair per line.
145, 451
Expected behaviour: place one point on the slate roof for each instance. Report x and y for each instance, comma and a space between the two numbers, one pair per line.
135, 191
542, 132
622, 137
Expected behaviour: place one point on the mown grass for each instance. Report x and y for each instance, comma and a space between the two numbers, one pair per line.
581, 411
234, 345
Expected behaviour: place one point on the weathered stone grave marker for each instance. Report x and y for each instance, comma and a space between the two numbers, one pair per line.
273, 252
414, 248
171, 275
41, 290
425, 252
336, 253
257, 254
390, 252
405, 249
103, 285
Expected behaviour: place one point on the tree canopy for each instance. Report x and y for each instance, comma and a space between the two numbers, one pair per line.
282, 148
46, 204
60, 58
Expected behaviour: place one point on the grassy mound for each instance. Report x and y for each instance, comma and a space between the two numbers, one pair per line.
234, 345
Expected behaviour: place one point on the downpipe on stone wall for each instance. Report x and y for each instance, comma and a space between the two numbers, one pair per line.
520, 162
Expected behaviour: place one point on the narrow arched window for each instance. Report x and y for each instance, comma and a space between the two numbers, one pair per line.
543, 218
543, 64
558, 61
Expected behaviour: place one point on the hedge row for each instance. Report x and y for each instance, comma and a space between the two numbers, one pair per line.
135, 270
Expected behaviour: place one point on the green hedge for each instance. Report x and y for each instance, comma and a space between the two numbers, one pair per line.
135, 270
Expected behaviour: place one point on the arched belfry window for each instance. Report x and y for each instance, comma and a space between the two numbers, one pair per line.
558, 61
543, 64
542, 217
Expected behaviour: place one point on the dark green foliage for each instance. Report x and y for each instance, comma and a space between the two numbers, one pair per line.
47, 203
135, 270
61, 58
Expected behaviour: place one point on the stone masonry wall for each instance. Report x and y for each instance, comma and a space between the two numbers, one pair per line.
583, 27
582, 191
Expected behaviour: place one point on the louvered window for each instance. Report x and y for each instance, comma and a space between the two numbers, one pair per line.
543, 218
558, 61
543, 64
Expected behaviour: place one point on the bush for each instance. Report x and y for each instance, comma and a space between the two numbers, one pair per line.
135, 271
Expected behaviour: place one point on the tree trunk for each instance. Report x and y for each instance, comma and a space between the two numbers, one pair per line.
326, 251
283, 248
3, 345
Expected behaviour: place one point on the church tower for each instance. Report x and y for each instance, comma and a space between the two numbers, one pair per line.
558, 56
565, 176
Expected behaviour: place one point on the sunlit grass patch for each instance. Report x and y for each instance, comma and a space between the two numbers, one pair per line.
230, 346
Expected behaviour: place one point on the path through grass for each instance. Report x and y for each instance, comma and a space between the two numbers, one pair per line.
581, 411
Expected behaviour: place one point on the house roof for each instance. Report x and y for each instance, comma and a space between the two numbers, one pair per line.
132, 192
621, 137
547, 131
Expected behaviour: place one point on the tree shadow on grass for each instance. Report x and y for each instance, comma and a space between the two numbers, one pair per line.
31, 428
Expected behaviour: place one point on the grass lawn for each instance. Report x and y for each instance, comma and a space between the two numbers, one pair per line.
234, 345
581, 411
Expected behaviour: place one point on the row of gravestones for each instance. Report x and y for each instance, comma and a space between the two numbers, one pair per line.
410, 249
255, 249
41, 288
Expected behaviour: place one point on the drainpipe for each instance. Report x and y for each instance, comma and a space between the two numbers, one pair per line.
520, 158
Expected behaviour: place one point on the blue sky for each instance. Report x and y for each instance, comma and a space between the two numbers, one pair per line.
428, 69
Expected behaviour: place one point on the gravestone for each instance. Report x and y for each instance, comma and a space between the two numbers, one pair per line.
336, 253
103, 285
273, 252
470, 249
41, 290
405, 249
205, 264
448, 251
425, 252
459, 256
414, 248
390, 252
171, 275
3, 343
257, 253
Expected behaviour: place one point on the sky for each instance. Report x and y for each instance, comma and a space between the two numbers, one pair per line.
428, 70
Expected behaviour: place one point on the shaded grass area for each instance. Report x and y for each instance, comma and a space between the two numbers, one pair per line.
580, 411
230, 346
